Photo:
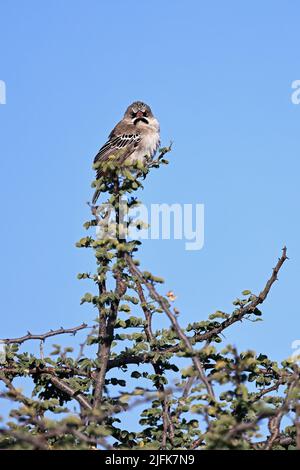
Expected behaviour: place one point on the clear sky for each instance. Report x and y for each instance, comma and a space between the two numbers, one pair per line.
218, 76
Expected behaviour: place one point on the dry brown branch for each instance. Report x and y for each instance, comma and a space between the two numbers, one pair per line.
43, 336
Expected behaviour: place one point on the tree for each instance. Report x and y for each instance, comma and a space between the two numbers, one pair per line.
220, 399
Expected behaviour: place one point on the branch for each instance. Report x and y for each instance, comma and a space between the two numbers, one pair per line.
162, 153
197, 338
61, 385
265, 391
275, 421
62, 371
42, 337
245, 426
168, 427
163, 304
250, 307
37, 442
58, 383
107, 324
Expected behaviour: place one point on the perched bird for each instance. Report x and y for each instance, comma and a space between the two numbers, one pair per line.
135, 138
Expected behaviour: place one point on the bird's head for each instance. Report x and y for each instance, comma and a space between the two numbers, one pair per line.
139, 112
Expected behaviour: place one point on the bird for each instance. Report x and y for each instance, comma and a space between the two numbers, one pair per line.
135, 138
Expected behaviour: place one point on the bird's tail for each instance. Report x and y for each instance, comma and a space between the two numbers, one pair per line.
96, 195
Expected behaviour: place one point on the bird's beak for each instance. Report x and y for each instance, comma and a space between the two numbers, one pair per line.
139, 114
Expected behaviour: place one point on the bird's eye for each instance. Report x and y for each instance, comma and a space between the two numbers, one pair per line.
133, 114
145, 113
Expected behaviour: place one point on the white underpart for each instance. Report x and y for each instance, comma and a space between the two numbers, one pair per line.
149, 142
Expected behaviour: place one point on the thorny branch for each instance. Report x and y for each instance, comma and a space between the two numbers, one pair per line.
163, 304
239, 314
30, 336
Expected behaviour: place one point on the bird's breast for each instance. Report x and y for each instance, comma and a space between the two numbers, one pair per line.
150, 142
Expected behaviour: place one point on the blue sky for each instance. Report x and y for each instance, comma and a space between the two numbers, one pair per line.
218, 76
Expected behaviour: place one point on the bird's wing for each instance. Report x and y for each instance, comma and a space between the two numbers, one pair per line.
119, 146
117, 149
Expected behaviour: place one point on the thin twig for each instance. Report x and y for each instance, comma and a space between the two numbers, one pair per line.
43, 336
